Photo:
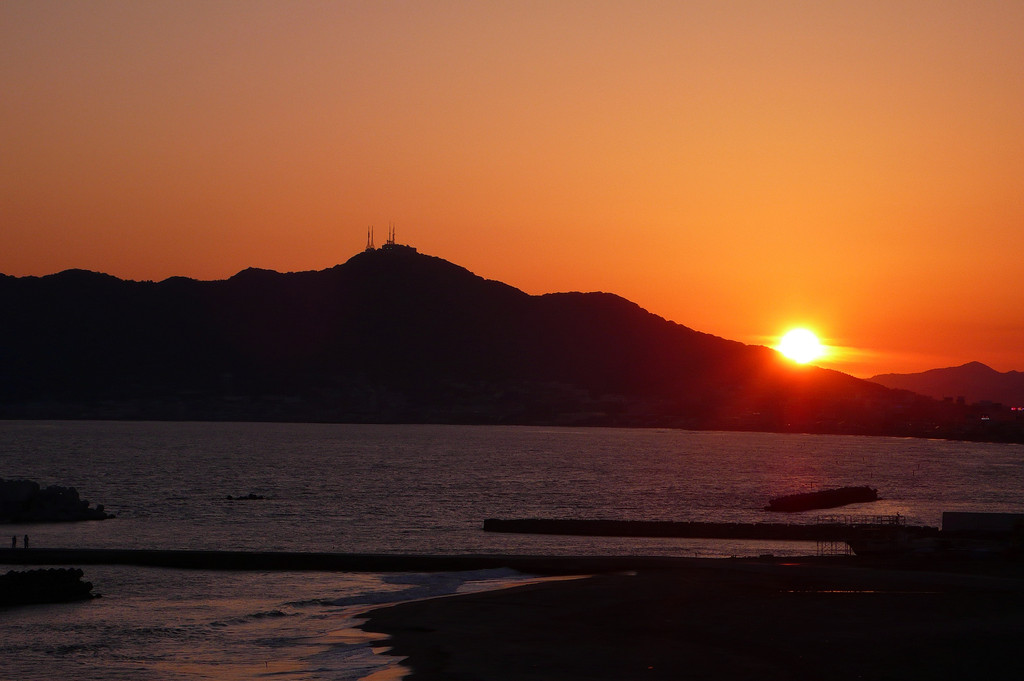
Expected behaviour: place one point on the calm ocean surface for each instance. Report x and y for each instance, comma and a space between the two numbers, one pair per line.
400, 489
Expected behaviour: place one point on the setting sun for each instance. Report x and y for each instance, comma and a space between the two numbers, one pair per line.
801, 346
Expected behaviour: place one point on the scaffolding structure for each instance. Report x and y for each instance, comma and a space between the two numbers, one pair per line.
847, 525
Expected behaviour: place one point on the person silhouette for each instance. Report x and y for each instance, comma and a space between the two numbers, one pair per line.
26, 541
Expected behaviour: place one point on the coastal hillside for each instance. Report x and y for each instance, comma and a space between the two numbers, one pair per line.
974, 382
393, 335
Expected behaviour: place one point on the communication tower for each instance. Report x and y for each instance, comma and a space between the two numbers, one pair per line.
393, 247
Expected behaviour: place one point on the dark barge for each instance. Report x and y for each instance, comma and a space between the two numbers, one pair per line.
828, 498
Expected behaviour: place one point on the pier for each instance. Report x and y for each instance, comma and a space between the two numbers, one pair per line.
338, 562
833, 529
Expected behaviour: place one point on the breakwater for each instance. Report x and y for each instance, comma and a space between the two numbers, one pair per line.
25, 501
686, 530
338, 562
44, 586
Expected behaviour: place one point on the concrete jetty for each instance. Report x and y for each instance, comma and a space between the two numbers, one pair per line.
336, 562
821, 531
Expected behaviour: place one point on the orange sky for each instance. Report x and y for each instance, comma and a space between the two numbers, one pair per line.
737, 167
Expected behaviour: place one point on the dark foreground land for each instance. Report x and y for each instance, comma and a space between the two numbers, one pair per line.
663, 618
721, 619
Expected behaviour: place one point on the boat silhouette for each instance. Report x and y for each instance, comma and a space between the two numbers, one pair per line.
828, 498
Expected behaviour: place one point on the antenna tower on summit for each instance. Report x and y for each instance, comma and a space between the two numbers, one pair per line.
369, 238
390, 246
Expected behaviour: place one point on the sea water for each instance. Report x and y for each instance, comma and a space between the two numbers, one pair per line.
401, 489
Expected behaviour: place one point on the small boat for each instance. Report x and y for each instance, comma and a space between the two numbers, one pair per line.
828, 498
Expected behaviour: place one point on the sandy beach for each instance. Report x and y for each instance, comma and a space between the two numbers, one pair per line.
723, 619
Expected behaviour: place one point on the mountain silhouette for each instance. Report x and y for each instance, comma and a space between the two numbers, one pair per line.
974, 382
393, 335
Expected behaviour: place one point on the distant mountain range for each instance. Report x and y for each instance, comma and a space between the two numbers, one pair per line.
393, 335
974, 382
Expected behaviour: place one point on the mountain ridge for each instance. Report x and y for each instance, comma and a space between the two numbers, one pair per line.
399, 336
973, 382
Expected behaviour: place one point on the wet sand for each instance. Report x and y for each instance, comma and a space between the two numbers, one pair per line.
722, 619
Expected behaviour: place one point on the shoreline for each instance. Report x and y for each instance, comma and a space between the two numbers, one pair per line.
82, 414
723, 619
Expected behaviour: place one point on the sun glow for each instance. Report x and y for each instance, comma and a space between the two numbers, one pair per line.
801, 346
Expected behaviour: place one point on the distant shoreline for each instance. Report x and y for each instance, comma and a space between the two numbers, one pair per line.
396, 336
131, 416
